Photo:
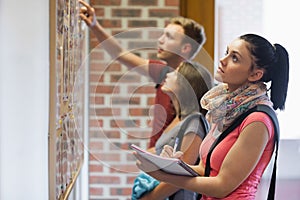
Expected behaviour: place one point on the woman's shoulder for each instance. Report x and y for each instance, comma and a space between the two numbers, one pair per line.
193, 115
259, 117
192, 119
193, 123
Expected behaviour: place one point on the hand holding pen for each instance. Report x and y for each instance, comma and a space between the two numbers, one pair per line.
170, 152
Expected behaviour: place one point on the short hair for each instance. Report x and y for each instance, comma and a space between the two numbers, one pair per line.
194, 31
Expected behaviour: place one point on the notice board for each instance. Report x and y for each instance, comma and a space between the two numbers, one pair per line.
67, 97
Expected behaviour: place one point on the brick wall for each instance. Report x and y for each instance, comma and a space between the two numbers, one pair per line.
120, 100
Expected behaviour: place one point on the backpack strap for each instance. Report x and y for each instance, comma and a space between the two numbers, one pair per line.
181, 131
259, 108
162, 75
272, 114
186, 123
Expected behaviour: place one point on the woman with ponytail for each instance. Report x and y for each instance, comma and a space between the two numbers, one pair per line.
253, 72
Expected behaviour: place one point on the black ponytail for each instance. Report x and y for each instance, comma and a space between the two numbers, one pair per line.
274, 60
279, 77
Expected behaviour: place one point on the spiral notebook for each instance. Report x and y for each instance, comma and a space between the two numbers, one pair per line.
168, 165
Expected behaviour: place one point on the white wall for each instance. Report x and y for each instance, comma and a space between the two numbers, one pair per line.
234, 18
280, 19
24, 87
279, 28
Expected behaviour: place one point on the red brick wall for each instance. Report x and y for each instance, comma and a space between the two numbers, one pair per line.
120, 101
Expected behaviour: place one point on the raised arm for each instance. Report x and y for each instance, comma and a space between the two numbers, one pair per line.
87, 14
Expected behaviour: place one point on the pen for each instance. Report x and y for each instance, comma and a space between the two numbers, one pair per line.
175, 145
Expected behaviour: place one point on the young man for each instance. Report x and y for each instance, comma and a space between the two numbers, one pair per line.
181, 40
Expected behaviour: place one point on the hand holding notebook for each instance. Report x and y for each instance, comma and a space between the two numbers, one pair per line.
168, 165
